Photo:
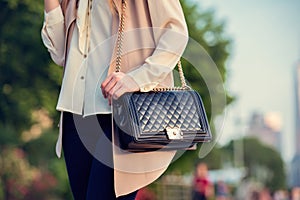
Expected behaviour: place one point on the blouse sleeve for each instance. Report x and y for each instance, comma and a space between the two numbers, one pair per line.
171, 35
53, 35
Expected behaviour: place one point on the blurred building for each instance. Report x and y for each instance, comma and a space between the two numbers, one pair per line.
295, 165
267, 128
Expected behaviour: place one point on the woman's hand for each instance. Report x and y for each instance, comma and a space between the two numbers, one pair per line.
117, 84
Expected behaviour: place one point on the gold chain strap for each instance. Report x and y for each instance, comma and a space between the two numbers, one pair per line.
119, 52
120, 37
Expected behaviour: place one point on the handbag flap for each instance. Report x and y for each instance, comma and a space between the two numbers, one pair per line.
157, 111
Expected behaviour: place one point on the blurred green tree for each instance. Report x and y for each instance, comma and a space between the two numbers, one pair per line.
210, 34
263, 163
187, 163
28, 81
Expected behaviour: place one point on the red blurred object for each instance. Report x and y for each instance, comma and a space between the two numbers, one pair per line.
145, 194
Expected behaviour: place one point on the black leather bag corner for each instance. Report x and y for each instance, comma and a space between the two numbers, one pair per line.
165, 120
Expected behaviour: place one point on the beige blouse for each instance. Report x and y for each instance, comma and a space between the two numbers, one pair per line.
91, 46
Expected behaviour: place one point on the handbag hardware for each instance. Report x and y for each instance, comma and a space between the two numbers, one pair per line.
174, 133
162, 119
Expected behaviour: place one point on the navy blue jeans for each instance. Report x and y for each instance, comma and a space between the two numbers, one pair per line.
88, 156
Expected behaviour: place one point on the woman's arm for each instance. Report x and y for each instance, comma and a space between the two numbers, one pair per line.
50, 5
53, 31
171, 37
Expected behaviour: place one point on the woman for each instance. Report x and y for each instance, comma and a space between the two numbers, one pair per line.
202, 187
81, 36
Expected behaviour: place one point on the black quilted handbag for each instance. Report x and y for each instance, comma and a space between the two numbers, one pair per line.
164, 119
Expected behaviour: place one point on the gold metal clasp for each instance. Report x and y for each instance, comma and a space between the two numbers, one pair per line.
174, 134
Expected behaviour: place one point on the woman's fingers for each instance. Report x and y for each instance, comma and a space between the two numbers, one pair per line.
127, 84
108, 84
104, 83
116, 84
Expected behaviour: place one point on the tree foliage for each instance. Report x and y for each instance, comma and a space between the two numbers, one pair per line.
28, 81
187, 163
264, 164
210, 34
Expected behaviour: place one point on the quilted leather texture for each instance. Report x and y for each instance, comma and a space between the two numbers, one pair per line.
141, 120
157, 111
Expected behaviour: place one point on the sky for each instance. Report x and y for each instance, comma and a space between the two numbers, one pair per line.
261, 67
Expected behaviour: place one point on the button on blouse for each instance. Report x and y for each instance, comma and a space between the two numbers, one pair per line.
88, 60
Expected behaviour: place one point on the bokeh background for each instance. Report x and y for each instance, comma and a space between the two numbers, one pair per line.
256, 47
